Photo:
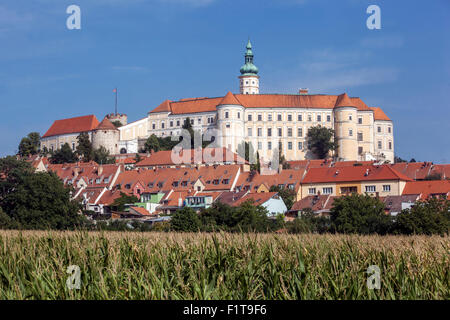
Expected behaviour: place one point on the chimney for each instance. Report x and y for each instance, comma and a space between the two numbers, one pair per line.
180, 202
303, 91
100, 170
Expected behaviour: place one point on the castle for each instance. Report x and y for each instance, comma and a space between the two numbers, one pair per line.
271, 122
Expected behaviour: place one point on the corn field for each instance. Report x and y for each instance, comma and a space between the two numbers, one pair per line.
124, 265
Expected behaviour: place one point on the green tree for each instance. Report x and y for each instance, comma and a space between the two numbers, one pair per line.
29, 145
359, 214
246, 151
84, 147
152, 143
186, 220
64, 155
399, 159
434, 176
250, 217
425, 217
117, 123
320, 141
288, 195
124, 199
101, 156
36, 200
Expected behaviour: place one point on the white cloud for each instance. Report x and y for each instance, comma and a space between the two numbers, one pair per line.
392, 41
333, 70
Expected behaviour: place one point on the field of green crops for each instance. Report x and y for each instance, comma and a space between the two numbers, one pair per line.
116, 265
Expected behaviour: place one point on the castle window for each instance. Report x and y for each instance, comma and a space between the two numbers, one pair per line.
171, 123
239, 115
227, 125
269, 117
300, 132
280, 145
389, 129
390, 145
249, 117
249, 131
199, 120
280, 132
299, 118
253, 82
359, 120
269, 145
279, 117
289, 132
379, 129
209, 120
289, 117
269, 132
192, 121
350, 132
300, 145
360, 136
259, 132
178, 123
328, 118
309, 117
350, 117
153, 126
226, 114
162, 125
259, 117
319, 118
290, 145
379, 144
246, 82
73, 145
360, 150
259, 145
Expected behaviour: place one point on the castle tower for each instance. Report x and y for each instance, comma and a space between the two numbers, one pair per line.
345, 119
249, 79
230, 121
107, 135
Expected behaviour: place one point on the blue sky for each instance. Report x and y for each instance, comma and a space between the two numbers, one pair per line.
154, 50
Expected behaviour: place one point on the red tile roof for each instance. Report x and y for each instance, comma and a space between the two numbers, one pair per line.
163, 107
141, 211
379, 114
261, 101
316, 203
164, 158
257, 198
230, 99
347, 174
344, 101
106, 125
72, 125
427, 188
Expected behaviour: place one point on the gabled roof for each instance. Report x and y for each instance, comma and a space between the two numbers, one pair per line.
72, 125
343, 101
427, 188
379, 114
349, 174
106, 125
230, 99
163, 107
318, 101
256, 198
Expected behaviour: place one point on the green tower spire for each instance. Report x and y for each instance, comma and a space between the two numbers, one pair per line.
249, 68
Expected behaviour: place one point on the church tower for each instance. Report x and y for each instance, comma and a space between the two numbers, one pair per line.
249, 79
